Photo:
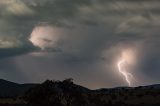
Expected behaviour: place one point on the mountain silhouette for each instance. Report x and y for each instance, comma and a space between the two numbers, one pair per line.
67, 93
11, 89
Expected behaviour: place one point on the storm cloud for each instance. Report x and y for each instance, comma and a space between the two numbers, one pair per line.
82, 39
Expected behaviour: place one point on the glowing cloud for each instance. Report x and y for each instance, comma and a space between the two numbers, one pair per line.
44, 37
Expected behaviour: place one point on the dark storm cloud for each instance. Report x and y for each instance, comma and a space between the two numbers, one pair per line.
19, 17
149, 58
92, 34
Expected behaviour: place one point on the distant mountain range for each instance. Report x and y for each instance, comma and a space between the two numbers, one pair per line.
66, 93
11, 89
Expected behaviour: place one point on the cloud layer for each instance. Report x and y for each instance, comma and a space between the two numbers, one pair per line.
79, 38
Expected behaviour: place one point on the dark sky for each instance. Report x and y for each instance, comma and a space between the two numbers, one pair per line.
81, 39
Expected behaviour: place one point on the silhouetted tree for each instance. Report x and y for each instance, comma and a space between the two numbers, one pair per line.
68, 81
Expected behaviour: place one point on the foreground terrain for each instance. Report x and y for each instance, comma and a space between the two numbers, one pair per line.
66, 93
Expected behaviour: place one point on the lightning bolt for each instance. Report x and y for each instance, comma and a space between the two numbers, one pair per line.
121, 68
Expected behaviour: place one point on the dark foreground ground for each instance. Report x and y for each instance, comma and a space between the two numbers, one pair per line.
66, 93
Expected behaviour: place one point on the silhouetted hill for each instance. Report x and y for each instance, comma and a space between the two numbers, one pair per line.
11, 89
66, 93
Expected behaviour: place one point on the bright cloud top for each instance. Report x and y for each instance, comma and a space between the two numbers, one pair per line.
44, 37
